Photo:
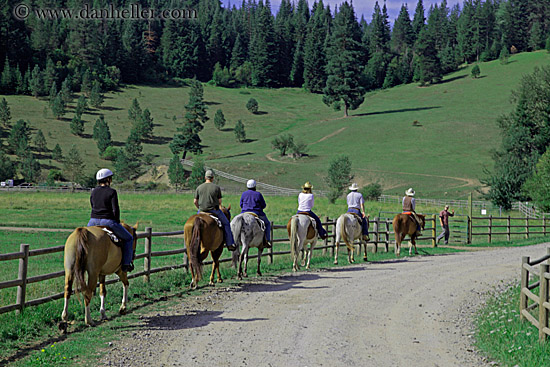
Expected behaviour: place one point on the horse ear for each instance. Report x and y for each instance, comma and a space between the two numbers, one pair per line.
229, 207
135, 226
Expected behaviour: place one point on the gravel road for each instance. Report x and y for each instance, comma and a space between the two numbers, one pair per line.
407, 312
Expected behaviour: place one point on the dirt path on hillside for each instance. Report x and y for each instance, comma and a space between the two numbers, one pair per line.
407, 312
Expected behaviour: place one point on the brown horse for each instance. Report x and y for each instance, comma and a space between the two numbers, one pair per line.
404, 225
202, 235
90, 250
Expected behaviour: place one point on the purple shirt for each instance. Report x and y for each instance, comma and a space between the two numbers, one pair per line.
444, 215
252, 201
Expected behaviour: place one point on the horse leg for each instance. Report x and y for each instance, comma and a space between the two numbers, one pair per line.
216, 265
365, 246
413, 241
309, 252
351, 258
125, 284
68, 291
258, 271
336, 245
102, 294
245, 260
88, 293
240, 271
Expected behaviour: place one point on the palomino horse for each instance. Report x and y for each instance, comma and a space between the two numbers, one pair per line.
90, 250
202, 235
301, 232
404, 225
248, 231
348, 229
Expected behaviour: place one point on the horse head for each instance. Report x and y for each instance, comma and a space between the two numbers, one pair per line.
422, 218
226, 211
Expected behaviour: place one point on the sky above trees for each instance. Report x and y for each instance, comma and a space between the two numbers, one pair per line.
365, 7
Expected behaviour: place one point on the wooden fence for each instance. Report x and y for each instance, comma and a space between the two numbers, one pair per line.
507, 226
542, 301
381, 234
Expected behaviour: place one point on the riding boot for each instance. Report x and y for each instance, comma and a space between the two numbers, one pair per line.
266, 243
366, 237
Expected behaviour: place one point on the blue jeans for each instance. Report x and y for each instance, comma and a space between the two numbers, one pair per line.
364, 223
122, 233
322, 232
264, 219
229, 241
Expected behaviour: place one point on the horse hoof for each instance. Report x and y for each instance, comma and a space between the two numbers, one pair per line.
365, 258
122, 311
335, 262
220, 280
63, 327
245, 275
259, 273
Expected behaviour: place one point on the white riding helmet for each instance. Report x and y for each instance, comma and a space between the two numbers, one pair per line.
103, 173
251, 184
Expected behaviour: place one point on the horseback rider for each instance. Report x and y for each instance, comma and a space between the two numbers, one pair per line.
105, 212
253, 202
409, 205
208, 198
305, 204
356, 205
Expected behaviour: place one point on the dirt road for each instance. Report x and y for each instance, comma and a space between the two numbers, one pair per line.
413, 312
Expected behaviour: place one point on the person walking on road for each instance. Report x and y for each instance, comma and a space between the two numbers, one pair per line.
444, 220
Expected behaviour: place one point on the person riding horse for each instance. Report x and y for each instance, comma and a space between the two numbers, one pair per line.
253, 202
208, 198
106, 212
409, 205
356, 205
305, 204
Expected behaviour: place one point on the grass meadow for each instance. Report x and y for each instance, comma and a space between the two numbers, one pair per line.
443, 155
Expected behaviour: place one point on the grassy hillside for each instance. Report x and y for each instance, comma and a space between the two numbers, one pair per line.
444, 156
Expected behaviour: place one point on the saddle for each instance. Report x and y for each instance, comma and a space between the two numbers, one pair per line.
112, 236
218, 221
260, 222
357, 216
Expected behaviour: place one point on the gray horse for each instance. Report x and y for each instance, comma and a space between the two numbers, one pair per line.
248, 231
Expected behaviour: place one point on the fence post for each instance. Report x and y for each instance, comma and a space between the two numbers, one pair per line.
490, 227
526, 227
270, 257
469, 230
524, 284
376, 225
434, 235
326, 239
21, 289
387, 235
543, 298
509, 226
543, 224
147, 258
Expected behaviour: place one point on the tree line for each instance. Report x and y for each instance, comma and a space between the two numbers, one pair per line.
249, 45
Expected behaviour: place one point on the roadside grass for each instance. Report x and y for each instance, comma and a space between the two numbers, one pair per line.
32, 338
504, 338
453, 141
513, 243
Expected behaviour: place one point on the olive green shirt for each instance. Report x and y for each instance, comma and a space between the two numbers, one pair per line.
208, 195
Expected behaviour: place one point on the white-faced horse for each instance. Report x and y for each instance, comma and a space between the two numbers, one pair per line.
301, 232
348, 229
248, 231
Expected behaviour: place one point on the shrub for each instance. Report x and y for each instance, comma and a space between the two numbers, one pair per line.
110, 153
372, 191
476, 71
252, 105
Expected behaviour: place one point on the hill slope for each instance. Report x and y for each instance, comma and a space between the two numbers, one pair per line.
444, 155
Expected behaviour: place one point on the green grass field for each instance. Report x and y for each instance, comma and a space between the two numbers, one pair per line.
443, 157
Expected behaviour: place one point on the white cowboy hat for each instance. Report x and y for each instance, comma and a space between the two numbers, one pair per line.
354, 187
409, 192
251, 184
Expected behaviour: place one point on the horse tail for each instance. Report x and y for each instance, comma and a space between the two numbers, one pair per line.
236, 226
345, 237
294, 241
195, 248
81, 253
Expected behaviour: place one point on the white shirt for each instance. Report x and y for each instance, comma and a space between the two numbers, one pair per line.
355, 199
305, 202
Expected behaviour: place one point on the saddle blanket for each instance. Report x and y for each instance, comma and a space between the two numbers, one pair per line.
313, 223
113, 236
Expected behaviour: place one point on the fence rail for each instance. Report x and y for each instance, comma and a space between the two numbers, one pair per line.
528, 293
530, 226
381, 234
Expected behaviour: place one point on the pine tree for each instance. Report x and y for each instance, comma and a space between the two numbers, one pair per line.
7, 168
176, 173
252, 105
7, 83
102, 135
263, 54
5, 113
86, 86
53, 94
50, 74
429, 65
535, 38
380, 31
239, 52
133, 147
77, 125
285, 36
240, 133
58, 106
36, 83
81, 105
73, 165
219, 120
343, 85
147, 124
195, 109
547, 48
57, 153
419, 19
96, 98
20, 131
30, 168
66, 92
315, 77
197, 173
40, 141
339, 176
134, 112
403, 34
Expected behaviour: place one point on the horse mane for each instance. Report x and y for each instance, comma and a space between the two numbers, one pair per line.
81, 253
195, 248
